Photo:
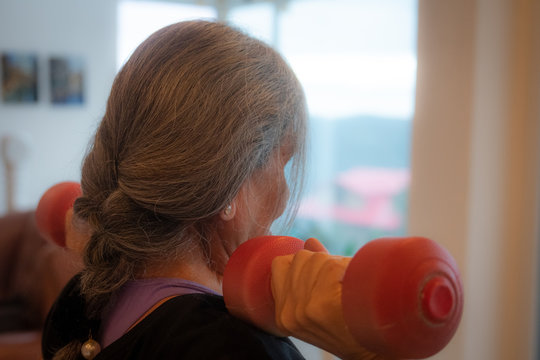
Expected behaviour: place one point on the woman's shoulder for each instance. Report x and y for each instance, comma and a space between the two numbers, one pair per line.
198, 326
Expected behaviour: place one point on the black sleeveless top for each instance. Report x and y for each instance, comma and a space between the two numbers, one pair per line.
194, 326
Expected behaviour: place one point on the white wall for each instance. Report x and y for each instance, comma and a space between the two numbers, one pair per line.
56, 136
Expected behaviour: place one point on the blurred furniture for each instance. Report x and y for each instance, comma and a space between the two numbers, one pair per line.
32, 273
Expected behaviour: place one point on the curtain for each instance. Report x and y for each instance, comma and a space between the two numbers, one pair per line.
475, 164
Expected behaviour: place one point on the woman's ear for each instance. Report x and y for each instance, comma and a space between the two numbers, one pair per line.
228, 212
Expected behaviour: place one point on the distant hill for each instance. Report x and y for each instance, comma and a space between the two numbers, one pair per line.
363, 141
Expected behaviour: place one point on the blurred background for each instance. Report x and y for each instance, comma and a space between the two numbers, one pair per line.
424, 121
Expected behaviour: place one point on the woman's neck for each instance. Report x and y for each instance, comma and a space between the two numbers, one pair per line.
192, 268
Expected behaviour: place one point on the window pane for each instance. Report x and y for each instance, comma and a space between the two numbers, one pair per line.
357, 63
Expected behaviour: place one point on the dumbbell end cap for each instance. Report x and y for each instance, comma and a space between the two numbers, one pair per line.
438, 299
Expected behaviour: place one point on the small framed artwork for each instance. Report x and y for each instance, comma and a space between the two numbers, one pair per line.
67, 80
19, 77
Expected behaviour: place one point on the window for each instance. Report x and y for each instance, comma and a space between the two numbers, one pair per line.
357, 63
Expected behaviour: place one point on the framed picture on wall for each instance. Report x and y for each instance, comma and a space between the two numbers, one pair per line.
19, 77
66, 80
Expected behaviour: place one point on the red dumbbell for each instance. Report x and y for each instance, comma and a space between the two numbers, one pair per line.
400, 296
52, 208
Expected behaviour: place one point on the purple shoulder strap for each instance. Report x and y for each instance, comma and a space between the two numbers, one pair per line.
136, 297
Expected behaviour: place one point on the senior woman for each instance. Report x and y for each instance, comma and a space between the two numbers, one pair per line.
187, 163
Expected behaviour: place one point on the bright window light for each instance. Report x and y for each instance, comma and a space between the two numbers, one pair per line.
353, 57
345, 84
258, 19
139, 19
